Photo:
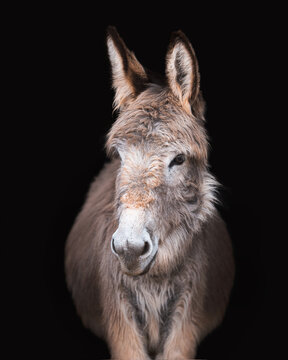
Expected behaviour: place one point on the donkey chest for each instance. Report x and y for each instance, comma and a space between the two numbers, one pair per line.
153, 308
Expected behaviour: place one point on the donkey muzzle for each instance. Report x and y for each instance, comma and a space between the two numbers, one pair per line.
135, 251
131, 249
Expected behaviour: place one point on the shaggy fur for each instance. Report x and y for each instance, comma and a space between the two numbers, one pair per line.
162, 313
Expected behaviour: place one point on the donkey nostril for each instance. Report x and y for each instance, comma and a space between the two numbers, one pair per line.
130, 249
113, 246
146, 248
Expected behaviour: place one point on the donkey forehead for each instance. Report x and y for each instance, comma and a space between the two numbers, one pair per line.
143, 155
159, 137
141, 166
155, 119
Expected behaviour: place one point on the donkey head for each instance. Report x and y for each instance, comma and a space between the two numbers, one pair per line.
163, 189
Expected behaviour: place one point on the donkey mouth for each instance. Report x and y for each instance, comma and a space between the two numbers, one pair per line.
132, 267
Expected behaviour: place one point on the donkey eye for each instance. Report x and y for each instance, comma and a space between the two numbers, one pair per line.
178, 160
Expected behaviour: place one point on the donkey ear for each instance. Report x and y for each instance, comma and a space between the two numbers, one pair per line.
128, 75
182, 69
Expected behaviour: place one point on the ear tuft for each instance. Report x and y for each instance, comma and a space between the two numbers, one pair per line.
128, 75
182, 69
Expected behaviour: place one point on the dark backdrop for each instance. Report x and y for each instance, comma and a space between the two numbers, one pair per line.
60, 79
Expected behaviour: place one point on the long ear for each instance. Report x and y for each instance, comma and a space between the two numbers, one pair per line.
182, 70
128, 75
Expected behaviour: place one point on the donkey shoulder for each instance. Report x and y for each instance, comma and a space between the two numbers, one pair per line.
85, 245
220, 272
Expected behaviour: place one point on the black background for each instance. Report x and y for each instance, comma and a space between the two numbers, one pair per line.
59, 103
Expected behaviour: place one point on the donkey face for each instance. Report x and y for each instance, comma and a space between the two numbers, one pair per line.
162, 184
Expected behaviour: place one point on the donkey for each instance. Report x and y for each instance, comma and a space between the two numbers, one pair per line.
149, 261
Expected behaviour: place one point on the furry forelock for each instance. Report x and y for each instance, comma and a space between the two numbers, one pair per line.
157, 116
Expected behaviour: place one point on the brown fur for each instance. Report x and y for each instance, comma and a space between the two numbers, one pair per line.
166, 311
